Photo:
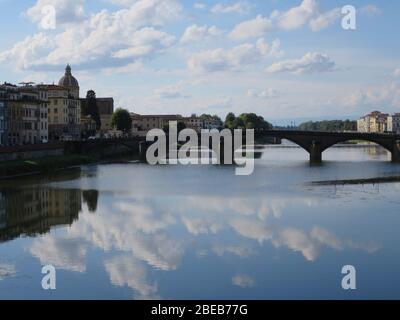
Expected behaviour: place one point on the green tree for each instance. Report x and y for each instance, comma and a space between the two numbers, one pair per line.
332, 125
92, 109
230, 118
122, 120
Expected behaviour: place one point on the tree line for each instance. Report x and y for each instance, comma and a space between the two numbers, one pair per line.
329, 125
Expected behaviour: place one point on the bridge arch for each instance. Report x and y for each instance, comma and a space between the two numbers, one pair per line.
343, 140
316, 144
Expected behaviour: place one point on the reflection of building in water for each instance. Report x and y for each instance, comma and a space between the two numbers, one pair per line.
2, 211
33, 211
376, 151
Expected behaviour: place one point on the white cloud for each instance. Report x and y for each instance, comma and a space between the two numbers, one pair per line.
243, 281
231, 59
145, 43
198, 33
274, 50
308, 64
67, 11
265, 94
103, 39
255, 28
386, 95
240, 7
169, 92
308, 12
32, 47
199, 6
297, 16
396, 72
370, 10
325, 20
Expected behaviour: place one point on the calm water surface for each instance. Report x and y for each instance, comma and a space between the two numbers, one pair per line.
132, 231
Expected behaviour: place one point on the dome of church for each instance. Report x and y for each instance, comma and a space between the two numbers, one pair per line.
68, 80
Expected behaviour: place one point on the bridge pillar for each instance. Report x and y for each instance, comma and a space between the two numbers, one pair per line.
315, 152
396, 152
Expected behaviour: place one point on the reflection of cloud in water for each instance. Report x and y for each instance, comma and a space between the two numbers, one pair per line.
138, 228
243, 281
297, 240
241, 251
61, 252
144, 217
122, 230
252, 229
128, 271
7, 271
197, 226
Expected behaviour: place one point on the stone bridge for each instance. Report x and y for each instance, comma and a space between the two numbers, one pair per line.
316, 142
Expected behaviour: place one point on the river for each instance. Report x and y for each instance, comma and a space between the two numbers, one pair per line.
134, 231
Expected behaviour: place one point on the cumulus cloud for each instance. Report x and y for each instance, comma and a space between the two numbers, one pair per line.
310, 63
274, 50
198, 33
32, 47
145, 43
232, 59
240, 7
103, 39
387, 94
324, 20
297, 17
308, 12
255, 28
396, 72
67, 11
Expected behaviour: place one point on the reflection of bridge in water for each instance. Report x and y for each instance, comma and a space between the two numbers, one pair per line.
316, 142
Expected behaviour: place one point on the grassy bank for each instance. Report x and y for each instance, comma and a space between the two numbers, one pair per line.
11, 169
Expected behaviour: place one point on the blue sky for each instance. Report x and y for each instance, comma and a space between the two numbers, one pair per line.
286, 60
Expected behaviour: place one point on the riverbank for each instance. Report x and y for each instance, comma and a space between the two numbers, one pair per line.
18, 168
